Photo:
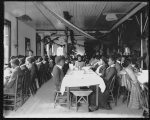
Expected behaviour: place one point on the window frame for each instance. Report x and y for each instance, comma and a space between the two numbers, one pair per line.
7, 22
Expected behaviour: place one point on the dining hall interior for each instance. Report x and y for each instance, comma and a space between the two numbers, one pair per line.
76, 59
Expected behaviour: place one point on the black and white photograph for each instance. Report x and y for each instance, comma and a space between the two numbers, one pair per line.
76, 59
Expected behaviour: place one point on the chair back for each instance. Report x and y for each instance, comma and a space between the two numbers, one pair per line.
41, 72
27, 80
111, 86
145, 96
19, 83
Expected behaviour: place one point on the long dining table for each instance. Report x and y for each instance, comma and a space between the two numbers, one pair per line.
143, 77
79, 78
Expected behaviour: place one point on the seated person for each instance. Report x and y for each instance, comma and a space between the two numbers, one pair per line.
103, 66
46, 66
118, 77
51, 63
22, 64
135, 66
79, 63
104, 97
7, 75
66, 66
10, 84
30, 55
39, 62
33, 74
108, 75
91, 60
132, 84
41, 71
118, 63
122, 60
96, 63
95, 60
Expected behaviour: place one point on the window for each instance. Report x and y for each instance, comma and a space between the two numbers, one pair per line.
60, 51
7, 39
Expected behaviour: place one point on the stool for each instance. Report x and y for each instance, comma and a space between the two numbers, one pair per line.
59, 96
81, 94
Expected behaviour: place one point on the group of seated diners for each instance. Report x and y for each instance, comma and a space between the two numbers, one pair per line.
18, 65
107, 67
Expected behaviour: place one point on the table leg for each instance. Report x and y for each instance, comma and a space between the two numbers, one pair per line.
96, 95
68, 101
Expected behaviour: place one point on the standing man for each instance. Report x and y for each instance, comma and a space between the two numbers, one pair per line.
57, 72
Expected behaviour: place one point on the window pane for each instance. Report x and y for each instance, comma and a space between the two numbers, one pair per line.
6, 44
60, 51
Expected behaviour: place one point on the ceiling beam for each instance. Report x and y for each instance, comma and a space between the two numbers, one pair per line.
129, 15
69, 30
67, 23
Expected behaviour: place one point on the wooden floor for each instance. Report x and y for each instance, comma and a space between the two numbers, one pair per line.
41, 106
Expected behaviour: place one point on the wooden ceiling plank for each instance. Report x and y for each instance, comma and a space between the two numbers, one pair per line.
44, 16
68, 24
104, 6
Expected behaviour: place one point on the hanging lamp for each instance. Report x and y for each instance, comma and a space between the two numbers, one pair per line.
111, 16
25, 17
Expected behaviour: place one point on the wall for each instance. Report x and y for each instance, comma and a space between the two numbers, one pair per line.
23, 31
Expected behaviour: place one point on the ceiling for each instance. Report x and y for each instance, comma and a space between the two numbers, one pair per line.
86, 15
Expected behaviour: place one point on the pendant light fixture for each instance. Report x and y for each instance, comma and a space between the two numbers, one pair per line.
25, 17
111, 16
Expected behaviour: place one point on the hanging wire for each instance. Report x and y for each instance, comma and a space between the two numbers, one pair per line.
25, 7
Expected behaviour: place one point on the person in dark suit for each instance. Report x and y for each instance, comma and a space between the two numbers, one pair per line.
22, 64
10, 85
57, 72
118, 63
46, 67
118, 77
110, 72
32, 69
66, 66
40, 66
39, 62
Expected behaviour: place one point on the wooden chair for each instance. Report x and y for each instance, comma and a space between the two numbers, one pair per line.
59, 96
111, 88
145, 96
83, 95
41, 75
12, 99
26, 91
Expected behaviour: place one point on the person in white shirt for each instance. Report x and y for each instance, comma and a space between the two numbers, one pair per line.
79, 63
102, 66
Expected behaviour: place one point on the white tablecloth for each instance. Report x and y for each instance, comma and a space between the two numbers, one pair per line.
78, 78
142, 76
